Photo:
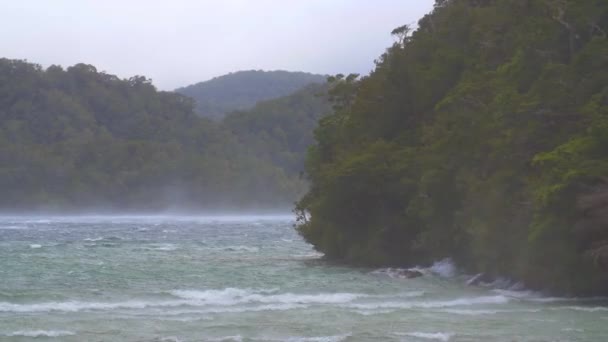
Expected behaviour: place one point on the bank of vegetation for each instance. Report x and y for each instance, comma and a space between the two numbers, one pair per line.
480, 136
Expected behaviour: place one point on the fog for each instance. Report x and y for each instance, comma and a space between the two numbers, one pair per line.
108, 217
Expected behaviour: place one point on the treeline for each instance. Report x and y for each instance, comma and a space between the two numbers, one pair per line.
242, 90
82, 139
482, 136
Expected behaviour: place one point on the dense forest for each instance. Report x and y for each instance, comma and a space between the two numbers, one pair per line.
243, 89
480, 136
82, 139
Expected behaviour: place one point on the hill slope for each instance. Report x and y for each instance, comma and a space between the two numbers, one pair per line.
242, 90
281, 130
481, 137
82, 139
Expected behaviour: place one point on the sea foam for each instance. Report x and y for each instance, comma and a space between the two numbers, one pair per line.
437, 336
207, 298
40, 333
232, 296
431, 304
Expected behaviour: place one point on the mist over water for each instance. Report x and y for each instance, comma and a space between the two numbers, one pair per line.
245, 278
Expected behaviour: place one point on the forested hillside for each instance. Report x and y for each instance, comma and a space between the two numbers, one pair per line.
281, 130
243, 89
82, 139
482, 136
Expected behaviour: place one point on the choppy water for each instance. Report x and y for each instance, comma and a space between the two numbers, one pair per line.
244, 279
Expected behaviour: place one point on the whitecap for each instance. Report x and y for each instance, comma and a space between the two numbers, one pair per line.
225, 297
311, 255
503, 283
444, 268
469, 312
234, 338
479, 312
35, 246
437, 336
163, 247
235, 309
397, 273
75, 306
373, 312
170, 339
184, 319
411, 294
431, 304
40, 333
336, 338
583, 308
537, 297
39, 221
241, 249
94, 239
233, 296
13, 227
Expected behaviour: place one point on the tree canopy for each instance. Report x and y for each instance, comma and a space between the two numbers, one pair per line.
481, 136
78, 138
243, 89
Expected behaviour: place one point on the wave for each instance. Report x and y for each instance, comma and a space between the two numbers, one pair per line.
431, 304
311, 255
159, 247
336, 338
538, 297
75, 306
438, 336
233, 309
236, 248
169, 339
583, 308
94, 239
212, 299
13, 227
233, 296
480, 312
234, 338
373, 312
40, 333
241, 249
444, 268
397, 273
333, 338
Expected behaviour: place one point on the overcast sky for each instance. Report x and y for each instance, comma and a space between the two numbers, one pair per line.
180, 42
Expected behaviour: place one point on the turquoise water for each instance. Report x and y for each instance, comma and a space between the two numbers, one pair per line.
247, 278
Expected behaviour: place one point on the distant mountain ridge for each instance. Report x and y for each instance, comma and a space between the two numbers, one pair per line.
241, 90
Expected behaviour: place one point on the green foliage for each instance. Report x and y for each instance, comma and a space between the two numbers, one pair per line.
79, 138
481, 136
242, 90
281, 130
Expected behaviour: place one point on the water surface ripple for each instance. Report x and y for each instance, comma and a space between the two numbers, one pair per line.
247, 278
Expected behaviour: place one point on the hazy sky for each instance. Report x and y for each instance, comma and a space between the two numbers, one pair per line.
179, 42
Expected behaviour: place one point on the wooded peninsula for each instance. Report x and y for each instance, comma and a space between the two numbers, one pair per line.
481, 136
